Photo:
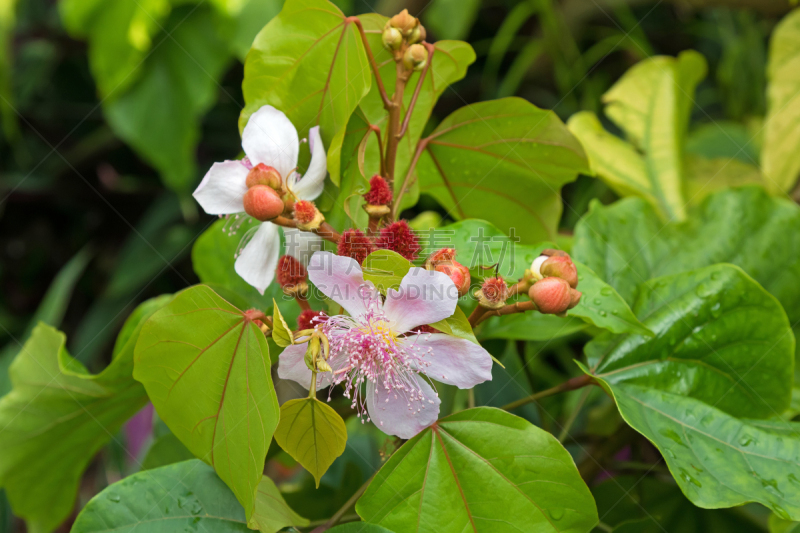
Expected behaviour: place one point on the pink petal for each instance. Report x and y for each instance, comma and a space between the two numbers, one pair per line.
340, 279
451, 360
292, 365
259, 258
398, 416
424, 297
222, 189
270, 138
313, 181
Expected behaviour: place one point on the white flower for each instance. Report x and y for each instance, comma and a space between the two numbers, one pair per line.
271, 139
376, 345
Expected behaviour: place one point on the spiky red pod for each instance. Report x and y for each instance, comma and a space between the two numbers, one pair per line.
304, 211
353, 243
399, 238
379, 191
445, 254
290, 272
494, 292
306, 319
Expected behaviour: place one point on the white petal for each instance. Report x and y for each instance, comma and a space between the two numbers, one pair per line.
313, 181
340, 279
424, 297
222, 189
259, 259
399, 416
270, 138
451, 360
301, 244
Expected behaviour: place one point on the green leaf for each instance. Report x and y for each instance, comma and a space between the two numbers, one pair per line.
386, 269
706, 176
603, 306
272, 513
200, 342
779, 525
482, 470
50, 311
165, 450
176, 497
310, 63
159, 115
312, 433
780, 158
359, 527
482, 151
120, 35
450, 19
281, 332
626, 243
56, 418
456, 325
648, 505
723, 349
651, 103
7, 109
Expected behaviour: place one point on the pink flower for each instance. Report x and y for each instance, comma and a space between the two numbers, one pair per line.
375, 346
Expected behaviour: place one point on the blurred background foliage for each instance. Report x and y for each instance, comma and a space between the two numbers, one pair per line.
112, 110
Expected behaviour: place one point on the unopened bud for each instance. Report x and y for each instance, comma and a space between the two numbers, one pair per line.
404, 22
262, 174
392, 38
262, 203
456, 272
307, 216
560, 266
553, 296
417, 35
493, 293
539, 261
312, 353
416, 57
292, 277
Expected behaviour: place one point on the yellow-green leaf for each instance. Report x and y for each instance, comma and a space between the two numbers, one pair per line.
281, 333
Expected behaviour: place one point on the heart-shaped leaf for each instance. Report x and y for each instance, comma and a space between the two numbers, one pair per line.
310, 63
44, 455
723, 349
482, 151
480, 470
205, 366
187, 495
312, 433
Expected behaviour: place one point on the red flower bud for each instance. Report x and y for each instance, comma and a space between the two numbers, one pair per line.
399, 238
262, 174
493, 293
353, 243
551, 295
560, 266
574, 297
456, 272
379, 191
310, 318
445, 254
262, 203
290, 271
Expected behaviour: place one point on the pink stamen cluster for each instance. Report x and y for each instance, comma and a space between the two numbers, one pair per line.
364, 349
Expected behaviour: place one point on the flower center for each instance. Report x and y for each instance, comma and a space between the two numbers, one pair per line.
366, 350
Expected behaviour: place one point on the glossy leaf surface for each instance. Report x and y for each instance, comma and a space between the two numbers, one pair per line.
200, 342
723, 351
480, 470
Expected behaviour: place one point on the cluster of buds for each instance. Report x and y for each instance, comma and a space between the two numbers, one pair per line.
555, 279
397, 237
444, 261
262, 200
292, 277
402, 35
